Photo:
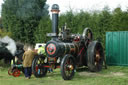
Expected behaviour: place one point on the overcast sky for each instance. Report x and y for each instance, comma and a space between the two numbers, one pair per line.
86, 5
1, 1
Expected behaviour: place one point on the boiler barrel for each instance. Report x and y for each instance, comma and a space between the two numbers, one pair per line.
58, 49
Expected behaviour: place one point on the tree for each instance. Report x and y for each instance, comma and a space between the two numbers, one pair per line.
42, 30
120, 19
1, 23
22, 17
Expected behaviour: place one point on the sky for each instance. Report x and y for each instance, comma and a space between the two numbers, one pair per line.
1, 1
86, 5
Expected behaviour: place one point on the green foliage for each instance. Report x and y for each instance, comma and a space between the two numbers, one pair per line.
43, 28
22, 17
4, 33
0, 22
99, 21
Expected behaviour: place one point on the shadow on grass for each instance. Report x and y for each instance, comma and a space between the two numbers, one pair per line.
82, 69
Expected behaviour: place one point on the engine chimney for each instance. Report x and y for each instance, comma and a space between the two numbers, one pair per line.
55, 11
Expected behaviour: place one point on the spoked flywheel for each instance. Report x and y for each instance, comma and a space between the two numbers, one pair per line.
37, 67
68, 67
87, 35
95, 56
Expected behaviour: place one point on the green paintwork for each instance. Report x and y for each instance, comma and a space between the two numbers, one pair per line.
117, 48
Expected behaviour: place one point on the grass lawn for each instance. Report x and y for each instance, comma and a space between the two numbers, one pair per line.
114, 75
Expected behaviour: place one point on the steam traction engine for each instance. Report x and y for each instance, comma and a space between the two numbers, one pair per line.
68, 51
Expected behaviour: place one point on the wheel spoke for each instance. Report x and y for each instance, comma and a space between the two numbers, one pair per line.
68, 67
38, 69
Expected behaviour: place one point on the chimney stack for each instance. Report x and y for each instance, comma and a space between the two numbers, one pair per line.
55, 12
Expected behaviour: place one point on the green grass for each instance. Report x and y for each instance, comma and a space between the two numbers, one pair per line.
114, 75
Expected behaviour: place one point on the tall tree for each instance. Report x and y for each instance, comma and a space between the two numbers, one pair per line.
41, 35
120, 19
22, 17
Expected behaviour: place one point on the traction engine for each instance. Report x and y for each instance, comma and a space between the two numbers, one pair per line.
68, 51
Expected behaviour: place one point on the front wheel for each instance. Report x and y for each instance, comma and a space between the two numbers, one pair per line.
37, 67
68, 67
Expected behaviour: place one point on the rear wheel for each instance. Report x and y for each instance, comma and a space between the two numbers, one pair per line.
37, 67
87, 36
68, 67
95, 56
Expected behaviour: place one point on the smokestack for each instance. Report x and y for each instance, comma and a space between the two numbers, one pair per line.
55, 11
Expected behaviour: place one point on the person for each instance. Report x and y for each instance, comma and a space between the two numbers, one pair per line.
41, 50
27, 61
13, 63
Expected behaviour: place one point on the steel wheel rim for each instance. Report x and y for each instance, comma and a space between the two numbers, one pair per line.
68, 67
38, 66
98, 57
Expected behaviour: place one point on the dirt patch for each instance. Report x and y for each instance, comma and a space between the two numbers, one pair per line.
91, 74
115, 74
118, 74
